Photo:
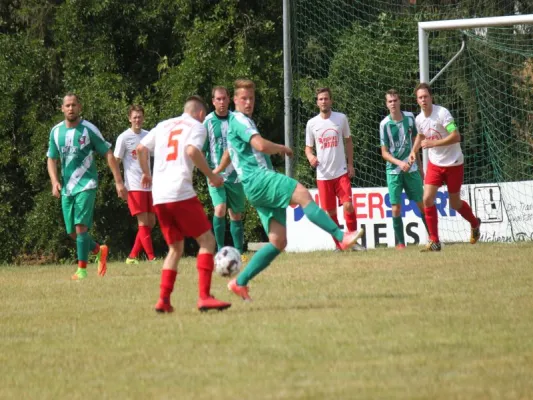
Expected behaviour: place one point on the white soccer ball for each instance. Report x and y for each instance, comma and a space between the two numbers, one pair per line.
228, 261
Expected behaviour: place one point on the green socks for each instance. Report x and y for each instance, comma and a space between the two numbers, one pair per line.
397, 224
237, 233
321, 219
261, 259
83, 241
219, 228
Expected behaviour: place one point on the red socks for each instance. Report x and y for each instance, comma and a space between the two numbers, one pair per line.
466, 213
351, 221
432, 221
137, 246
168, 277
205, 265
143, 240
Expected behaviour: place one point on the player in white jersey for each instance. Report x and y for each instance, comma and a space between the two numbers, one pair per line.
438, 133
139, 198
329, 131
177, 147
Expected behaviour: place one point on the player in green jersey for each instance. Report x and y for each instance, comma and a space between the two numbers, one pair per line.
73, 142
269, 192
397, 134
229, 197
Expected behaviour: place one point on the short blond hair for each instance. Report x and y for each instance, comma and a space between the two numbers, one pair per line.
243, 84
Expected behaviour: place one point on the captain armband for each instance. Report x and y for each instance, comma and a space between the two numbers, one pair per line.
451, 127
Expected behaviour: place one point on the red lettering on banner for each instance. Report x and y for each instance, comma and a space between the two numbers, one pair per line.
372, 204
357, 204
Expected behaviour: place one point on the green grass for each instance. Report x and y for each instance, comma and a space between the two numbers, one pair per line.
382, 324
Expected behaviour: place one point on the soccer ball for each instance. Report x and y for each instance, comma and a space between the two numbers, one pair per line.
228, 261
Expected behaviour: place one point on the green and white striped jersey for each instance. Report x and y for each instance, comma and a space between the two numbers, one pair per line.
216, 143
75, 148
398, 137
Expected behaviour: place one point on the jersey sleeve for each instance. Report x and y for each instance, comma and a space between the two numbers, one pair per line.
98, 141
149, 140
383, 137
198, 136
245, 130
53, 151
120, 147
345, 127
446, 117
309, 136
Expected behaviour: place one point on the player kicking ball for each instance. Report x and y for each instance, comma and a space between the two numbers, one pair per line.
177, 147
269, 192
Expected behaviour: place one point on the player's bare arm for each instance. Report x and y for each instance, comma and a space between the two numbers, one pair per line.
122, 192
387, 156
143, 155
348, 149
311, 157
416, 148
200, 162
420, 166
452, 138
52, 172
267, 147
225, 161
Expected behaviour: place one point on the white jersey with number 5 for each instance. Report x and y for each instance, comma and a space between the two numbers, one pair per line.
434, 128
173, 169
328, 135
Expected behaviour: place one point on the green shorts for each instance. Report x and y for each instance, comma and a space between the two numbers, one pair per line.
410, 182
232, 194
270, 194
78, 209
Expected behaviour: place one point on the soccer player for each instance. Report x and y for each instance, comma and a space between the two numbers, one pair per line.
229, 197
397, 133
330, 132
269, 192
73, 142
438, 133
139, 198
177, 147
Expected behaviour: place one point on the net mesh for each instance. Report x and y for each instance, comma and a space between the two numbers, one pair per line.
360, 49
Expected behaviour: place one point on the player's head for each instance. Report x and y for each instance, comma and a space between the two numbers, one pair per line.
71, 107
424, 98
324, 99
392, 100
136, 116
244, 96
195, 107
220, 100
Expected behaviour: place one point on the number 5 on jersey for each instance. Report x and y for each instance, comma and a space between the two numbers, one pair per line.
172, 154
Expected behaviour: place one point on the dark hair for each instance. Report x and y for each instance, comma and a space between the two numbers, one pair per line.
198, 100
323, 90
392, 93
72, 94
135, 107
423, 85
221, 89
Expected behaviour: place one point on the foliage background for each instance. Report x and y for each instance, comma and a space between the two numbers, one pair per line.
158, 52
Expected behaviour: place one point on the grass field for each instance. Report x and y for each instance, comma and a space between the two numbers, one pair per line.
378, 325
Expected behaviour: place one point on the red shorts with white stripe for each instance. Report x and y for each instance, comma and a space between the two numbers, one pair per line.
451, 176
330, 190
140, 202
182, 219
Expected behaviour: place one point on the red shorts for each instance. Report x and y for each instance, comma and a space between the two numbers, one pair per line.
451, 176
330, 190
140, 202
182, 218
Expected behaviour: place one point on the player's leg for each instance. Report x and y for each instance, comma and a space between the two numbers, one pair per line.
145, 229
135, 209
274, 222
302, 197
343, 191
219, 200
328, 202
414, 189
235, 203
166, 214
454, 179
395, 187
433, 180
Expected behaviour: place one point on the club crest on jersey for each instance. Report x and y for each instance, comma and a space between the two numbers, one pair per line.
134, 154
81, 140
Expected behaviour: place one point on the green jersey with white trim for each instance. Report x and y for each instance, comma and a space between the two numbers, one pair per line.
75, 148
398, 137
246, 160
216, 144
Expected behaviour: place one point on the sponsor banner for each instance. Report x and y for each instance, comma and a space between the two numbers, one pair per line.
505, 209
